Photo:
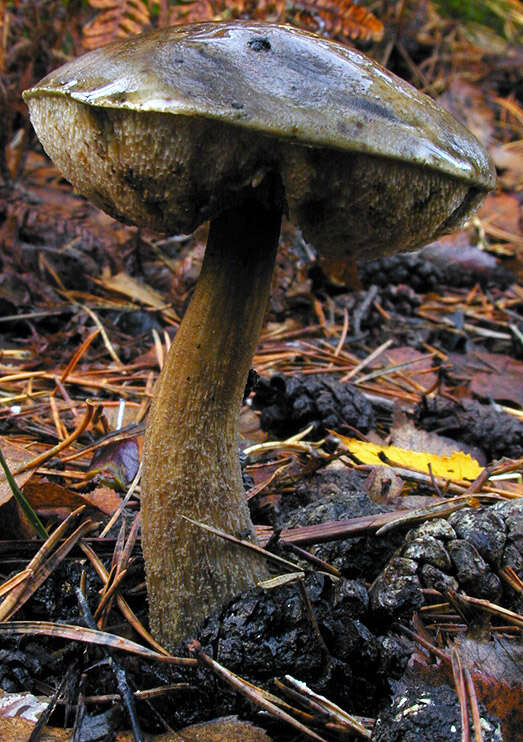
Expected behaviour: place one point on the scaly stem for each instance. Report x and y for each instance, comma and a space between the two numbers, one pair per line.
190, 456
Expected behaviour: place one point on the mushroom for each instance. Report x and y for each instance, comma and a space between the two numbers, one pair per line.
239, 123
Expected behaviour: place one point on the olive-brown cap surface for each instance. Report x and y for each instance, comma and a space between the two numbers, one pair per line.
167, 129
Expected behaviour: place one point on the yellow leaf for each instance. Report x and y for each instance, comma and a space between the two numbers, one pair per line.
458, 468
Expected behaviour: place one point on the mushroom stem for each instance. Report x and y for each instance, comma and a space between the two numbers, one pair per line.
191, 464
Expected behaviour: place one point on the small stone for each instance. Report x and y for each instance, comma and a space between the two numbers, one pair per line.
397, 590
429, 549
394, 655
354, 643
437, 528
512, 513
432, 577
512, 557
485, 529
351, 598
472, 571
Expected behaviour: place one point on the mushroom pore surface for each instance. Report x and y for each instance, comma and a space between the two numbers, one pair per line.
171, 173
239, 123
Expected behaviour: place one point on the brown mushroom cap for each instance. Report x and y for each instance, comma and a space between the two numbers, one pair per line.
167, 129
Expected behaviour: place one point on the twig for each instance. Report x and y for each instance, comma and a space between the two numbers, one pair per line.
34, 463
255, 695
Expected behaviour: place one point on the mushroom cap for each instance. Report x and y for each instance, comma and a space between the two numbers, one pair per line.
231, 101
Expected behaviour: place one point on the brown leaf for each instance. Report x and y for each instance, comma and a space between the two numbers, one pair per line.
49, 497
15, 456
406, 435
341, 273
508, 158
492, 375
495, 667
208, 10
458, 251
13, 523
53, 209
250, 428
467, 102
19, 730
501, 213
507, 387
125, 284
227, 729
384, 485
116, 463
339, 19
419, 366
19, 711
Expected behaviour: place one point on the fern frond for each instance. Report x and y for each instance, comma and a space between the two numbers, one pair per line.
116, 19
193, 11
274, 11
339, 19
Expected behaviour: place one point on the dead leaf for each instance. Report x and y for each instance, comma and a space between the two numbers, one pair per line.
125, 284
457, 256
342, 19
501, 212
227, 729
508, 158
492, 375
384, 485
16, 457
115, 20
458, 468
19, 713
19, 730
191, 12
104, 499
49, 496
13, 523
116, 463
406, 435
467, 102
495, 668
419, 366
508, 387
250, 429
